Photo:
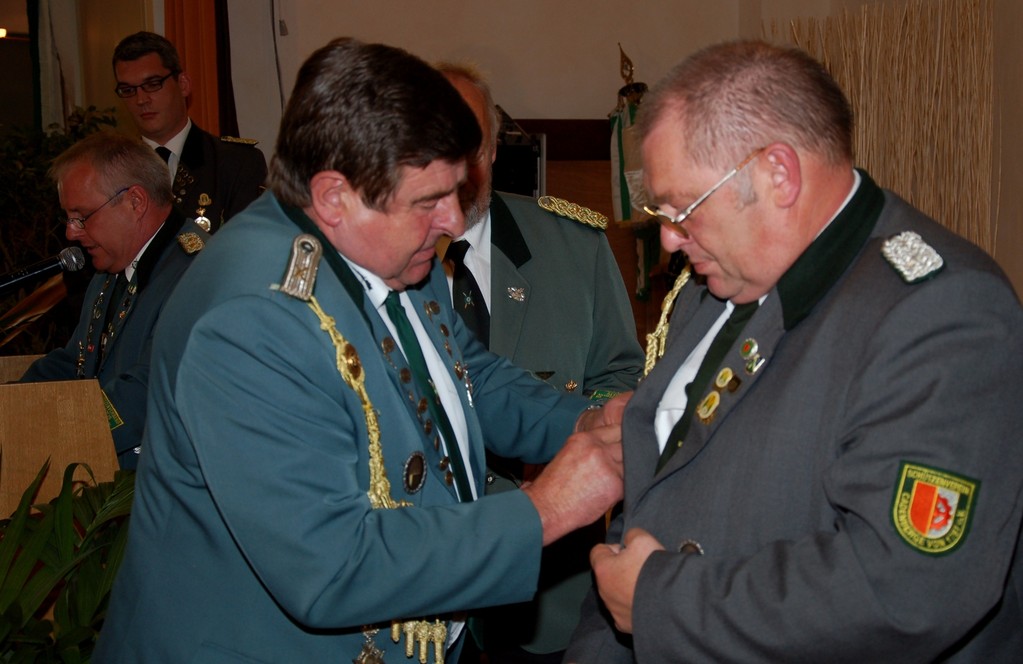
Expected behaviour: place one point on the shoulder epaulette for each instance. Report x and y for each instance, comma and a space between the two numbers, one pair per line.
235, 139
911, 257
563, 208
191, 242
300, 277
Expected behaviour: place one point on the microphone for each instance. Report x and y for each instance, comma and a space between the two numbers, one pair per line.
70, 259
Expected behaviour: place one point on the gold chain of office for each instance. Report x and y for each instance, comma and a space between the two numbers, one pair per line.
421, 632
656, 340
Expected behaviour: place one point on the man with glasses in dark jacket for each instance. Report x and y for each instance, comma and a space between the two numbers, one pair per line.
213, 179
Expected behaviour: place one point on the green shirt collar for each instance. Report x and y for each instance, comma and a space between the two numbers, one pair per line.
829, 256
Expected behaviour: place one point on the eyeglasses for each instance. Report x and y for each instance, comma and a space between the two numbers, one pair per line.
675, 222
149, 85
79, 222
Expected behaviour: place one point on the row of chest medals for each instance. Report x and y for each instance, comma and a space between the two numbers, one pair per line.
107, 326
414, 471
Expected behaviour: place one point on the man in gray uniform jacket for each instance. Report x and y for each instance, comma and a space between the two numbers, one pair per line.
557, 306
838, 478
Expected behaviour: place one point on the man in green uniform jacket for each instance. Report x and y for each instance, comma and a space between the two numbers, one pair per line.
311, 482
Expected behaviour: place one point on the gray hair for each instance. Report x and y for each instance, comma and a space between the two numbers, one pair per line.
470, 74
119, 162
735, 97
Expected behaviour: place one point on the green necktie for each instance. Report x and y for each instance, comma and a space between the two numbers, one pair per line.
726, 336
414, 354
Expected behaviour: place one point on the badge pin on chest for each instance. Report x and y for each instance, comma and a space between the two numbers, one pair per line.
200, 219
749, 351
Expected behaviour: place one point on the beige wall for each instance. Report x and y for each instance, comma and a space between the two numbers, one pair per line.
104, 24
545, 59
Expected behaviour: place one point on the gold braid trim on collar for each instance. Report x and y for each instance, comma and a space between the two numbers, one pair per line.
351, 370
655, 341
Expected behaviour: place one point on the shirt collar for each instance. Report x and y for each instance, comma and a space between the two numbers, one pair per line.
129, 271
175, 144
376, 289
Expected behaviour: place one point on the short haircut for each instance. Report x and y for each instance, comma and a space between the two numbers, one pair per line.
365, 110
143, 43
473, 77
735, 97
119, 162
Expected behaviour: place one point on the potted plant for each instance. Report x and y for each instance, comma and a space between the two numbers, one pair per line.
57, 566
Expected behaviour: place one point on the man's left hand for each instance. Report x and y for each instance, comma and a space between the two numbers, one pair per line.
616, 568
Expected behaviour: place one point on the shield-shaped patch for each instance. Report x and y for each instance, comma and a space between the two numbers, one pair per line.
931, 508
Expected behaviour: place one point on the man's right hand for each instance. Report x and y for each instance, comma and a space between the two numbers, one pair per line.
580, 484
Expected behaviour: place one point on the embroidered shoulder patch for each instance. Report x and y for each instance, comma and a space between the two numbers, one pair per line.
563, 208
300, 276
912, 258
191, 242
931, 508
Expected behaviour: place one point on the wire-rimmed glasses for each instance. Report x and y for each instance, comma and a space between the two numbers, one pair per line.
79, 222
675, 222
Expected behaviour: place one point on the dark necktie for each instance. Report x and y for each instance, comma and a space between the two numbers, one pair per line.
164, 153
467, 296
724, 339
410, 344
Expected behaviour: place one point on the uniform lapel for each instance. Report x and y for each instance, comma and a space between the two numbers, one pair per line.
761, 336
691, 316
509, 298
509, 287
747, 360
192, 156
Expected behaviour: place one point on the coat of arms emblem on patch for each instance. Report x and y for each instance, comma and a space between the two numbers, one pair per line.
931, 508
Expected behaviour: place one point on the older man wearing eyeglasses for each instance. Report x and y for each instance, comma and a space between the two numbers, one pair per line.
117, 200
823, 466
213, 179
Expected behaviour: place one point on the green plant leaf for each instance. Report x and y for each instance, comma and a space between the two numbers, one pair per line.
15, 527
62, 555
64, 533
27, 539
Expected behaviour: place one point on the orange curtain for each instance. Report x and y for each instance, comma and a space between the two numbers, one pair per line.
192, 27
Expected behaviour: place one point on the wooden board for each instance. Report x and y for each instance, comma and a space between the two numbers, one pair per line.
13, 366
64, 421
